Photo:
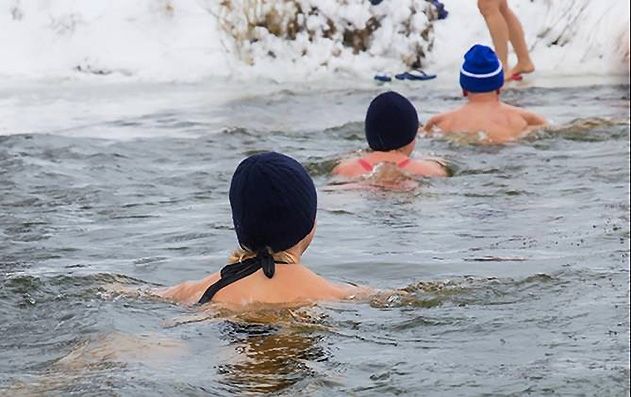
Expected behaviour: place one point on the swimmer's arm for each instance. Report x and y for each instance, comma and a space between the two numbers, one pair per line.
152, 349
354, 291
534, 120
428, 128
362, 292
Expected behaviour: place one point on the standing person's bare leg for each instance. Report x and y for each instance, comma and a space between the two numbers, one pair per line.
490, 10
518, 40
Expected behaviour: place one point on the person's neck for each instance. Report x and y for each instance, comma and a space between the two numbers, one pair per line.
487, 97
296, 253
392, 155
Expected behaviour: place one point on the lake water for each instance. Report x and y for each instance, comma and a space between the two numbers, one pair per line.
509, 278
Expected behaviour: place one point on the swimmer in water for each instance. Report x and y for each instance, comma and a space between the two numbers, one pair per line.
391, 127
273, 203
481, 78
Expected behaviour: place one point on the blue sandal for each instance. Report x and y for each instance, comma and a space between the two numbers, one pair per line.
418, 74
440, 7
383, 77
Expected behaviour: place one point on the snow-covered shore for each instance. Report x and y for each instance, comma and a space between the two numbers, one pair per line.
193, 40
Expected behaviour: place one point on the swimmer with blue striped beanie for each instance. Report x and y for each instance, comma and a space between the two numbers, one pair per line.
391, 127
484, 115
273, 203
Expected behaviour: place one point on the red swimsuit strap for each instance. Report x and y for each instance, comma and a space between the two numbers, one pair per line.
369, 167
403, 163
365, 164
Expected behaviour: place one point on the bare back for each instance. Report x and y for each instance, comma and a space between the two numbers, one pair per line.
354, 168
498, 122
291, 283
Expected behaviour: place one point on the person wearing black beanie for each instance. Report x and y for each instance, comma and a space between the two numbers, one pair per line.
484, 117
391, 126
274, 205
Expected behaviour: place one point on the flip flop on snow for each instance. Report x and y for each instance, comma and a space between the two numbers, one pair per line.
383, 77
419, 75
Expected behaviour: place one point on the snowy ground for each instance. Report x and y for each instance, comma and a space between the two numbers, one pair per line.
181, 40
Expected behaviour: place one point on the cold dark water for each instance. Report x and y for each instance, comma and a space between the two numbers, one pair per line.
510, 278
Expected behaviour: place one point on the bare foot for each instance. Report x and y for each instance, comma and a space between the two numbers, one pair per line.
522, 68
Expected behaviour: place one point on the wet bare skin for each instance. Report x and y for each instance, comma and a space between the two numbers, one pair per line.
292, 283
486, 113
351, 168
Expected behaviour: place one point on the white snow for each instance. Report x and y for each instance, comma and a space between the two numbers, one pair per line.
193, 40
566, 37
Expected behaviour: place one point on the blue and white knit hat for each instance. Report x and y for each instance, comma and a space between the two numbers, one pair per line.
481, 71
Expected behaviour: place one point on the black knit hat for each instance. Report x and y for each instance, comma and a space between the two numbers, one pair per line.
391, 122
273, 202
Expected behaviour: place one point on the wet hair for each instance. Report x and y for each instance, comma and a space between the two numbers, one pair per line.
242, 254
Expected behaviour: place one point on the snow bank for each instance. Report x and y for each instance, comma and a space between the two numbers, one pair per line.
326, 36
146, 39
290, 40
568, 37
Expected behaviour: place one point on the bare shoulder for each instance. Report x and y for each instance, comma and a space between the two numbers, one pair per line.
437, 119
532, 118
348, 168
428, 168
187, 292
445, 121
317, 287
505, 107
